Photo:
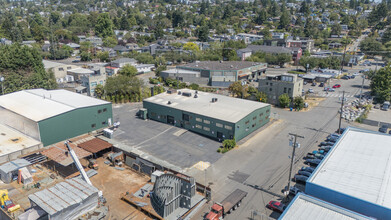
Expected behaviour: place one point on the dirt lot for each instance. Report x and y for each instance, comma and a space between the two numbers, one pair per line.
115, 182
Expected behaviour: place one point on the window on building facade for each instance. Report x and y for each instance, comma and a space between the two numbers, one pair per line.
103, 122
219, 125
61, 69
206, 121
93, 83
284, 89
206, 128
271, 84
99, 111
267, 83
270, 89
253, 125
227, 127
267, 111
68, 68
185, 117
247, 122
260, 115
198, 126
105, 110
93, 125
199, 119
255, 118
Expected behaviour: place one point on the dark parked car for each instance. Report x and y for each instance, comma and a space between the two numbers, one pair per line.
300, 179
308, 169
304, 173
294, 190
332, 139
276, 206
345, 77
312, 162
321, 84
309, 156
313, 84
383, 129
325, 148
352, 76
326, 143
334, 135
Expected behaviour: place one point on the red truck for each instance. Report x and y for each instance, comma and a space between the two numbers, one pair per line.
230, 203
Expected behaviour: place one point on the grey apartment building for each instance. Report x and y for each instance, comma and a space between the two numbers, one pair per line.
276, 85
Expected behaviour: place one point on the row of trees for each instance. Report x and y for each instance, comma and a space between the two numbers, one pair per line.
22, 68
285, 101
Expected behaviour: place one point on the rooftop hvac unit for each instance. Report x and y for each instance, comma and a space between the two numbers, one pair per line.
188, 94
179, 92
214, 99
195, 96
169, 103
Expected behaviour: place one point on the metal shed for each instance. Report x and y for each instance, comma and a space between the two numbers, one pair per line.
10, 169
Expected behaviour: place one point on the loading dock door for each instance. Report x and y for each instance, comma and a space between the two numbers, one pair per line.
170, 120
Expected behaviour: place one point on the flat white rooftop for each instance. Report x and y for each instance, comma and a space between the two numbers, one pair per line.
226, 108
12, 141
40, 104
359, 165
305, 207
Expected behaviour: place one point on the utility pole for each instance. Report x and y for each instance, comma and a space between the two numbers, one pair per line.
362, 86
295, 144
343, 57
340, 115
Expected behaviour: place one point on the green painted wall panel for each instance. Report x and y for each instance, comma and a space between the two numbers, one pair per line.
74, 123
252, 122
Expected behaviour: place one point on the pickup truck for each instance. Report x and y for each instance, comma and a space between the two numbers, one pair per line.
230, 203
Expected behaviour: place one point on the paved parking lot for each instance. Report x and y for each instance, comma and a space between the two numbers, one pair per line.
380, 115
175, 145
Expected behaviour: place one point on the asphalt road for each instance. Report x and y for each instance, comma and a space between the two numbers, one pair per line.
264, 159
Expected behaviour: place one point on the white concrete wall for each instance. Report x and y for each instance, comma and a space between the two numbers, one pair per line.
20, 123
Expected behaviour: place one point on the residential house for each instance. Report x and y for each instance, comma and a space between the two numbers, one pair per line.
59, 70
251, 49
297, 52
276, 85
144, 68
277, 35
119, 49
249, 38
275, 42
119, 63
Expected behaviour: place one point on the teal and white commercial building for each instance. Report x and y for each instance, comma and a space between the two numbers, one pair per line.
356, 174
224, 73
216, 116
51, 116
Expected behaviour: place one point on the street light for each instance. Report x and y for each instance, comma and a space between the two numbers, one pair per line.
2, 82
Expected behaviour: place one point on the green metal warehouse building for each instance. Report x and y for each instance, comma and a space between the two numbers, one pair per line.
216, 116
51, 116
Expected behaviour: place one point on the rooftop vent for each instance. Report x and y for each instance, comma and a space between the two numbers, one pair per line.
187, 94
171, 91
169, 103
214, 100
195, 96
179, 92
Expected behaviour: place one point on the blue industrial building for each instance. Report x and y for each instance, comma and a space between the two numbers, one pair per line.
356, 174
305, 207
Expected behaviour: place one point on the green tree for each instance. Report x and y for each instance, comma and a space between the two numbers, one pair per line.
124, 23
336, 29
263, 97
229, 143
191, 46
128, 70
381, 84
386, 36
370, 46
104, 26
103, 56
99, 90
203, 33
85, 56
284, 100
238, 89
110, 42
284, 20
266, 34
262, 17
298, 103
